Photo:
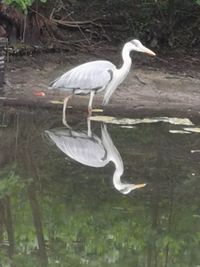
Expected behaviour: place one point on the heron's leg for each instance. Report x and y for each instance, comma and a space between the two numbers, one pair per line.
64, 111
89, 127
90, 103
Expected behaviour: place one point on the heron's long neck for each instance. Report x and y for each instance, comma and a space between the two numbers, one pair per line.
120, 74
117, 175
123, 71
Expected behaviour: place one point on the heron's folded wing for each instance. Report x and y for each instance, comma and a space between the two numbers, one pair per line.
91, 75
80, 147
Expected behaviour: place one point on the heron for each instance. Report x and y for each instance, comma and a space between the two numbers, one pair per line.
96, 76
90, 150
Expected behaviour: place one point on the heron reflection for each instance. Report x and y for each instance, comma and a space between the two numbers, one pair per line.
90, 150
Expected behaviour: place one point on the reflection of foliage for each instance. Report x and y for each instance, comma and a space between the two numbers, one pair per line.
85, 222
9, 183
117, 230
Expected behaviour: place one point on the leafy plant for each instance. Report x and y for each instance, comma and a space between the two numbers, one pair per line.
21, 4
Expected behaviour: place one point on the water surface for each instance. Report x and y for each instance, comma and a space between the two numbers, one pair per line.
55, 211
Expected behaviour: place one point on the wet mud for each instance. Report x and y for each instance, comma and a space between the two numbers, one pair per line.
160, 86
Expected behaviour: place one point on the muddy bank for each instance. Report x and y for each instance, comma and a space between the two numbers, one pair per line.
165, 85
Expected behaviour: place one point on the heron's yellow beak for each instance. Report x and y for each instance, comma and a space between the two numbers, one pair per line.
136, 186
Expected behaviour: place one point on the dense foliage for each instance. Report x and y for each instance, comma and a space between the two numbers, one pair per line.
162, 23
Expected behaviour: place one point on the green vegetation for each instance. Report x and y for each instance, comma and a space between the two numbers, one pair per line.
63, 213
21, 4
168, 23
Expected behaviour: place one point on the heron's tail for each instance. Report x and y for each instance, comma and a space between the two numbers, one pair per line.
107, 97
57, 83
52, 84
109, 93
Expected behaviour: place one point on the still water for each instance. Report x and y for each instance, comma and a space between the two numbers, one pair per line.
67, 197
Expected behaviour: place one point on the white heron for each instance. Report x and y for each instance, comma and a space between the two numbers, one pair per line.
88, 149
96, 76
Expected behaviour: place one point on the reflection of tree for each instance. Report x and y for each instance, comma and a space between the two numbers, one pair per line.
29, 172
6, 221
14, 141
38, 224
9, 227
71, 210
1, 221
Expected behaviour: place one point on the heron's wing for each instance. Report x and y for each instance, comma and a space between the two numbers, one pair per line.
92, 75
79, 146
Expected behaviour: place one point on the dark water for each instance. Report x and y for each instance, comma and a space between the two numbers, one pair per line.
55, 211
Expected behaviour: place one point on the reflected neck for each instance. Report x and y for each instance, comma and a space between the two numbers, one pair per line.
117, 176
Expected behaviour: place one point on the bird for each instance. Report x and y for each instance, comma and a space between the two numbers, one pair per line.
96, 76
90, 150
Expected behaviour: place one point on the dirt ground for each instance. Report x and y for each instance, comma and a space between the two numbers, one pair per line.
164, 85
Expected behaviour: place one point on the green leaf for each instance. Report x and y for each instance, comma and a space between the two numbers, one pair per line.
21, 4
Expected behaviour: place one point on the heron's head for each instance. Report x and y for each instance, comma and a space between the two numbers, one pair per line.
124, 188
136, 45
127, 188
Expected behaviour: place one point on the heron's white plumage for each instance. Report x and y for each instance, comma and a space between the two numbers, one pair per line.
75, 145
92, 151
94, 75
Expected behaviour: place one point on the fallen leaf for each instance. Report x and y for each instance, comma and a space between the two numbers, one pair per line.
97, 110
127, 126
56, 102
193, 130
179, 132
114, 120
195, 151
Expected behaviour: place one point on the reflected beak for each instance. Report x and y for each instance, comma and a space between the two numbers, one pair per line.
136, 186
147, 51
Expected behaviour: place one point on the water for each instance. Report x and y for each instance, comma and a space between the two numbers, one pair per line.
55, 211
